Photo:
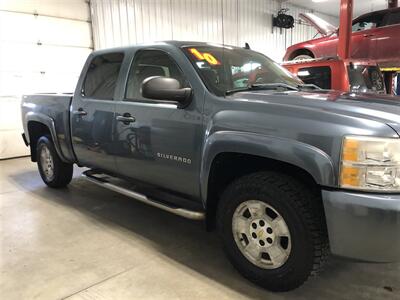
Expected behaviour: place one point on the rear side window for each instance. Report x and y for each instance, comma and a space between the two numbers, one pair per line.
101, 77
148, 63
320, 76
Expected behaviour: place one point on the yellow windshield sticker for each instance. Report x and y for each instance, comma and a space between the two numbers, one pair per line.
204, 56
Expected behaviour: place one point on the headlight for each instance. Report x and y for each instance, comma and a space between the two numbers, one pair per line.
371, 164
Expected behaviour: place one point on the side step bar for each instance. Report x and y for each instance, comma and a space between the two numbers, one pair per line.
189, 214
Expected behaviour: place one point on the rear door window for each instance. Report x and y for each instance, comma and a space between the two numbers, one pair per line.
101, 77
320, 76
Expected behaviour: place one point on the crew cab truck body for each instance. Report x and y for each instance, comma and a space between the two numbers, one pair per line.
225, 134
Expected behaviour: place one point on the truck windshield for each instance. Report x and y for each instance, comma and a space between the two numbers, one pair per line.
226, 69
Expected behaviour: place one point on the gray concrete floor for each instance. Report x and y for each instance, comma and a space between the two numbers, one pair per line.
84, 242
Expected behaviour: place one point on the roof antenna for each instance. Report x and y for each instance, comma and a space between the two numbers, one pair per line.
246, 46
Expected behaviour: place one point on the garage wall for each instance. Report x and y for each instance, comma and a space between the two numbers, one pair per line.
124, 22
43, 46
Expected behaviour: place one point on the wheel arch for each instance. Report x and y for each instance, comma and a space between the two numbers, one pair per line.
302, 51
229, 155
38, 125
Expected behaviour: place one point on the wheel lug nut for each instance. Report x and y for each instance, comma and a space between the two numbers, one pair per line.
262, 223
269, 240
262, 243
269, 230
254, 225
254, 235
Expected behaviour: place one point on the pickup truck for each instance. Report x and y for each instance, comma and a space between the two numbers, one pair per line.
286, 173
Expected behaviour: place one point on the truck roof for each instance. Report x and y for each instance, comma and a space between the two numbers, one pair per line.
173, 43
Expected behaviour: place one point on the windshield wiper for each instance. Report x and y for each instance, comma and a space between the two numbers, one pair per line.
308, 86
263, 86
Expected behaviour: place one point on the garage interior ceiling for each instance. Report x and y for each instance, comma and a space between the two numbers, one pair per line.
234, 22
331, 7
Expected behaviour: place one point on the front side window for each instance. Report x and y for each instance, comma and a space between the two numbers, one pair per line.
368, 22
320, 76
226, 68
148, 63
359, 26
101, 77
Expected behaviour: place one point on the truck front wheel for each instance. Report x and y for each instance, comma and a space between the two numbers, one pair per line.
272, 230
54, 172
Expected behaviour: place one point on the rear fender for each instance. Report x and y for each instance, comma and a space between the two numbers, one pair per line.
49, 123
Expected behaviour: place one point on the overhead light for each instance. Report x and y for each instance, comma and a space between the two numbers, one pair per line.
319, 1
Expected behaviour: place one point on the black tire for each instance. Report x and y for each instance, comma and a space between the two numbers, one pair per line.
62, 172
303, 213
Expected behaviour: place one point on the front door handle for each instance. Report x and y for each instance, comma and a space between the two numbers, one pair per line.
79, 112
368, 35
126, 118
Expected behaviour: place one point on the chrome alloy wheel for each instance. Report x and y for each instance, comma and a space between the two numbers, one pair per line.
46, 162
261, 234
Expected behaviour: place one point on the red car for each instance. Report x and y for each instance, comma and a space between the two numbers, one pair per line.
376, 36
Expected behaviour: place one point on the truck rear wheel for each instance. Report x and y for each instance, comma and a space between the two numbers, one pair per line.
272, 230
54, 172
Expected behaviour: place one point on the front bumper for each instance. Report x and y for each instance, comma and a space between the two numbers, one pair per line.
363, 226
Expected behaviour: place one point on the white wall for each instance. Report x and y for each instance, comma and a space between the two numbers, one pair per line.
124, 22
43, 45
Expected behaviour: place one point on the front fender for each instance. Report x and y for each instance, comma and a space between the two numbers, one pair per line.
49, 123
309, 158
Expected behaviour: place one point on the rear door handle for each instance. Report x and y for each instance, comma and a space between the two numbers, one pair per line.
368, 35
126, 119
79, 112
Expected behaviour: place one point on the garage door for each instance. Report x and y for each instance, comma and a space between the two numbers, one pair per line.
43, 45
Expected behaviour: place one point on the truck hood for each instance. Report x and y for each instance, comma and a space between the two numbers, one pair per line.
322, 26
380, 108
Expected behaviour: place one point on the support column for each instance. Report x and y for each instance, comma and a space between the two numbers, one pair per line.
346, 16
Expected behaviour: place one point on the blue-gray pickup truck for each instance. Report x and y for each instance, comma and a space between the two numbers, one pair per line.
286, 172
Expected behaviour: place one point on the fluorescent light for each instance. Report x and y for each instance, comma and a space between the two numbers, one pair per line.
319, 1
303, 73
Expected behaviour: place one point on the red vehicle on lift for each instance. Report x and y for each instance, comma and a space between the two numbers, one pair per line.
345, 42
359, 76
374, 35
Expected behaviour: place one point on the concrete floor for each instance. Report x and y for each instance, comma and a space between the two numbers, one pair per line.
84, 242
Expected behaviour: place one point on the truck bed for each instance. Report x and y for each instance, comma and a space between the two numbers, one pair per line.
54, 108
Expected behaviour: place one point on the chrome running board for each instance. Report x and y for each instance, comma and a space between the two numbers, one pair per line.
189, 214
